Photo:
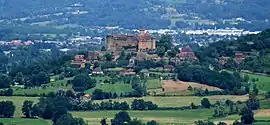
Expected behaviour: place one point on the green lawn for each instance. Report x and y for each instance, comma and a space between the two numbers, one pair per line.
114, 88
179, 101
18, 102
23, 121
163, 117
264, 81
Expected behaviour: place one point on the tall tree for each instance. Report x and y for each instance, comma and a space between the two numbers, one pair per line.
27, 108
121, 118
247, 116
83, 82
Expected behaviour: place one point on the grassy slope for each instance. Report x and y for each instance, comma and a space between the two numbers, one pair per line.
263, 83
179, 101
22, 121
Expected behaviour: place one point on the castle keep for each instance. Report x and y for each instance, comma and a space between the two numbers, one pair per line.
140, 42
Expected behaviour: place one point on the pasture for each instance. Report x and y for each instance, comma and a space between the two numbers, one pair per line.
44, 89
23, 121
114, 88
179, 101
18, 102
263, 82
163, 117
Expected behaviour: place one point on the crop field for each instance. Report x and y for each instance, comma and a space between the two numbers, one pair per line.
18, 102
179, 101
22, 121
163, 117
174, 86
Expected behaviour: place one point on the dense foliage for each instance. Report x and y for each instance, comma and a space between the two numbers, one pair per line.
7, 109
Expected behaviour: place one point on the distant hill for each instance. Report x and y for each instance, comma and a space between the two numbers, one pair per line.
135, 13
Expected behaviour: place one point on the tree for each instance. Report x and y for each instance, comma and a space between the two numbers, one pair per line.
27, 108
253, 103
83, 82
121, 118
172, 53
255, 89
7, 109
166, 42
108, 56
205, 103
41, 78
103, 48
4, 81
161, 51
67, 119
153, 122
247, 116
203, 123
1, 123
135, 122
103, 121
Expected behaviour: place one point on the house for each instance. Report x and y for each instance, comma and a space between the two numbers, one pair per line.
127, 73
79, 61
187, 54
28, 43
168, 68
223, 60
239, 57
97, 71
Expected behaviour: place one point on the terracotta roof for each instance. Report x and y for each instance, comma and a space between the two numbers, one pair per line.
187, 49
79, 57
97, 70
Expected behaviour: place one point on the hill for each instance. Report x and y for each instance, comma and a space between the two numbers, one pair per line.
137, 13
255, 50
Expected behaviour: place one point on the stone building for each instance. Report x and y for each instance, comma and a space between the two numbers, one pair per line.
140, 42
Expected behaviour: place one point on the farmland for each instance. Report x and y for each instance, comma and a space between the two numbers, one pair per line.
178, 101
22, 121
263, 81
18, 102
163, 117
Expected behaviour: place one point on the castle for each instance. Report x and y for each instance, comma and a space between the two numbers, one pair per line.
140, 42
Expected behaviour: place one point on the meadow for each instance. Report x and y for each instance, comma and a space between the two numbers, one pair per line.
263, 82
18, 102
163, 117
50, 87
179, 101
23, 121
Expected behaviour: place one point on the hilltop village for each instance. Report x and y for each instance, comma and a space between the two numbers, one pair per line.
140, 74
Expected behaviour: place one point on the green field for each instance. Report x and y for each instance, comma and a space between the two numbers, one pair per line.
22, 121
179, 101
51, 87
163, 117
264, 81
153, 84
114, 88
18, 101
